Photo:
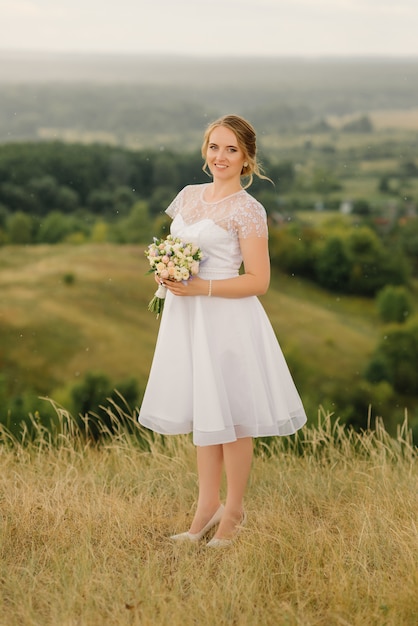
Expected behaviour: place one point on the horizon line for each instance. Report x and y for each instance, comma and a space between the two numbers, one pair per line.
194, 56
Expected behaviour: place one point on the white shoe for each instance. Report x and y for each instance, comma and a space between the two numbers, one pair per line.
219, 543
225, 543
194, 537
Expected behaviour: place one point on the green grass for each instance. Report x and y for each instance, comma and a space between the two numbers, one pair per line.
53, 333
331, 335
97, 323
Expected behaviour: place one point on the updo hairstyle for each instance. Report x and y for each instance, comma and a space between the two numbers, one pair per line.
246, 138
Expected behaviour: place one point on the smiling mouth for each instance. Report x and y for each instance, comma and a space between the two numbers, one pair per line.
221, 166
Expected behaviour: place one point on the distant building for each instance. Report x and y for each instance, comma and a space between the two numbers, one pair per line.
346, 207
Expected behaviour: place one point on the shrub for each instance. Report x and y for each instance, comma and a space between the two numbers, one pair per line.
394, 304
396, 358
333, 265
95, 396
372, 267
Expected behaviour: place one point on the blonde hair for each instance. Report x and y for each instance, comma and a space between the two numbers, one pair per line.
246, 138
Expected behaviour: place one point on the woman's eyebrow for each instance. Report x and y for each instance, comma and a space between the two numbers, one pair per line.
212, 143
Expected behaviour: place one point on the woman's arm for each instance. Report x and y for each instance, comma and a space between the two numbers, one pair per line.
254, 282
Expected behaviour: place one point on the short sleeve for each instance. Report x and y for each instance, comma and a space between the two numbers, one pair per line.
251, 219
175, 205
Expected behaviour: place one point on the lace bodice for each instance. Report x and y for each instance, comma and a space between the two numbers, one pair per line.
217, 227
240, 214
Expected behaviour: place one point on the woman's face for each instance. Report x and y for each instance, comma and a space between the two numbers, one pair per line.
224, 157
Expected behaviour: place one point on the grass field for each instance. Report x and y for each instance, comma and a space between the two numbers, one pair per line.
52, 333
62, 330
331, 538
388, 119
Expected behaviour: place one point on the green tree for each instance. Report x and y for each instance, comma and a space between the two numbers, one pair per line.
20, 228
4, 214
93, 395
292, 249
282, 174
372, 267
409, 169
44, 190
53, 228
101, 202
67, 199
394, 304
16, 198
333, 265
324, 181
361, 124
123, 200
354, 405
137, 227
396, 358
165, 171
160, 199
408, 235
361, 206
384, 184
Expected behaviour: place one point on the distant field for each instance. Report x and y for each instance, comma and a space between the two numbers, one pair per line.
402, 119
281, 144
339, 140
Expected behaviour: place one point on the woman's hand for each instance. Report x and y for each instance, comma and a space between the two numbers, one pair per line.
253, 282
193, 287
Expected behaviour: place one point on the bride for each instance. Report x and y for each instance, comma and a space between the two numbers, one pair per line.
218, 370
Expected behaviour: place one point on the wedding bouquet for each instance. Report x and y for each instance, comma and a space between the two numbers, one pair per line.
171, 259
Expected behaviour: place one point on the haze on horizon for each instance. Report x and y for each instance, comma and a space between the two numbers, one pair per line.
245, 28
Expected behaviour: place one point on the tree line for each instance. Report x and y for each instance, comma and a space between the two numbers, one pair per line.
50, 192
54, 192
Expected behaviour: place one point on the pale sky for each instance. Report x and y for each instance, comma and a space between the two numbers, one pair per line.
213, 27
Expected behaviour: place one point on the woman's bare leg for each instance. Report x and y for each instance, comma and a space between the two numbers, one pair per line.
209, 469
237, 457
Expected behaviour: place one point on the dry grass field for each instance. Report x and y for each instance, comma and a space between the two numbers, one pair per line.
389, 119
331, 539
395, 119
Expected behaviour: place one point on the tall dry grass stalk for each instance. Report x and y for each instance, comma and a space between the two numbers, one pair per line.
331, 537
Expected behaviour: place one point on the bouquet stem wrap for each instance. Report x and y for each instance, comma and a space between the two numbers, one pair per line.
156, 305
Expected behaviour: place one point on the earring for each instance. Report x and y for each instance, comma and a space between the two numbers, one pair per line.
245, 164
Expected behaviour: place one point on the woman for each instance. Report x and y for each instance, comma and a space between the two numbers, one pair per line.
218, 370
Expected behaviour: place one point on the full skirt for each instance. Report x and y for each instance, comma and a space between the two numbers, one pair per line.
218, 371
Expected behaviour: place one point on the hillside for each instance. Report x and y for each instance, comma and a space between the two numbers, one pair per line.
66, 310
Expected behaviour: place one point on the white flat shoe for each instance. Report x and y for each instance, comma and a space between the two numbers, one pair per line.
225, 543
194, 537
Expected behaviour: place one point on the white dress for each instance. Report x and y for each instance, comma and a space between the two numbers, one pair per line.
218, 370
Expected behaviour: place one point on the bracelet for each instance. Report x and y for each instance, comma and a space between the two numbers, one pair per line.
210, 288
